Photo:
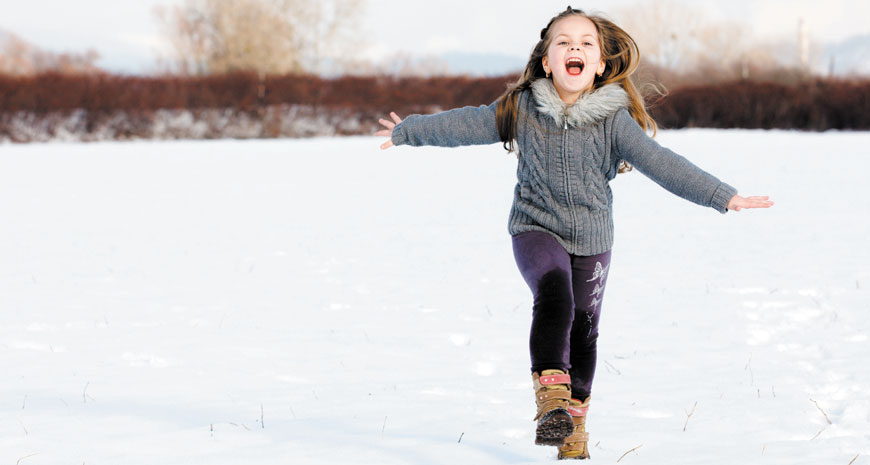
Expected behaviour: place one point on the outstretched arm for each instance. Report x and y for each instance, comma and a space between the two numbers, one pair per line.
674, 172
452, 128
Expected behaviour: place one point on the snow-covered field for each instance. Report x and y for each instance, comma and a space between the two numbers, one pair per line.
322, 301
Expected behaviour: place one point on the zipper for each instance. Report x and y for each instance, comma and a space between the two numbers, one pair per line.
567, 178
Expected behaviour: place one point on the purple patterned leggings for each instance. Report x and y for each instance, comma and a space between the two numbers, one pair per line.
567, 291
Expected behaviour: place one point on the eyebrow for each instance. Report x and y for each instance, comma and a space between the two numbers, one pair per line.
566, 35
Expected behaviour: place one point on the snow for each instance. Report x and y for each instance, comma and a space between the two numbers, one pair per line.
321, 301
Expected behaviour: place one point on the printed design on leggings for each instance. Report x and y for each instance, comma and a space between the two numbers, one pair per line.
600, 273
589, 323
594, 303
597, 290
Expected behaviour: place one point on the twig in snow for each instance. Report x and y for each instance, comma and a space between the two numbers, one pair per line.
262, 424
817, 434
763, 448
749, 367
211, 430
460, 437
773, 391
689, 415
85, 395
853, 460
384, 427
823, 412
610, 366
623, 455
759, 393
294, 413
24, 402
26, 456
26, 433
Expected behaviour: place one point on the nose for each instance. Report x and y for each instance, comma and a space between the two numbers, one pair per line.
574, 47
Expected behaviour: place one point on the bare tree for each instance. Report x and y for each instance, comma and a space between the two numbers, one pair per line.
19, 57
268, 36
682, 39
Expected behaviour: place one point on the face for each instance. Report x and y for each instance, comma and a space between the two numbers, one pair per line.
574, 56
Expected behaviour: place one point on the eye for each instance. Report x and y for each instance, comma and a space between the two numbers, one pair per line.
563, 43
588, 44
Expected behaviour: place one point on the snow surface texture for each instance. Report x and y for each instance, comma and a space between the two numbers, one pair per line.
276, 121
321, 301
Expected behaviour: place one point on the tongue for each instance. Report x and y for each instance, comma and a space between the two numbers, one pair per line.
574, 70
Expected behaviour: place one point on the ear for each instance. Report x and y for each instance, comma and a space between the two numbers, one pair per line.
546, 62
601, 67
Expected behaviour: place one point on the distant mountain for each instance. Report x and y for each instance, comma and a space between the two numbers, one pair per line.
483, 64
849, 57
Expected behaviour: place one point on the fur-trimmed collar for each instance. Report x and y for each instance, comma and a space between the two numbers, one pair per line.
590, 108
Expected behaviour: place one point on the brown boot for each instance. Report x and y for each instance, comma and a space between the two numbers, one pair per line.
577, 445
552, 393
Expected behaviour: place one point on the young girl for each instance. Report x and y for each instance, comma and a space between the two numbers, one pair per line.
575, 120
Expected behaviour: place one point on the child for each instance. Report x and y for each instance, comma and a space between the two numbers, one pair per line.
575, 120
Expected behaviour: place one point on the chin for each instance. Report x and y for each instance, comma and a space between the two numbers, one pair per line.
574, 86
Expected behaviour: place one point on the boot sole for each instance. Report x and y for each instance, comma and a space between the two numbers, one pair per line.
554, 427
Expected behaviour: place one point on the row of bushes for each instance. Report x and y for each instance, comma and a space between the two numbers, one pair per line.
819, 104
241, 91
815, 105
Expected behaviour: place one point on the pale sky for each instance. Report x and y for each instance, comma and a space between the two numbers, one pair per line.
127, 36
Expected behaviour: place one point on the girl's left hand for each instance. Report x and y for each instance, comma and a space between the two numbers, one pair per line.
738, 203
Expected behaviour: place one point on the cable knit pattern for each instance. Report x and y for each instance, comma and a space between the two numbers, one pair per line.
567, 156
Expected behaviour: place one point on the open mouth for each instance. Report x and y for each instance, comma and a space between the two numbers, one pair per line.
574, 66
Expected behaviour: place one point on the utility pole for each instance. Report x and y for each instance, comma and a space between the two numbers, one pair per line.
803, 45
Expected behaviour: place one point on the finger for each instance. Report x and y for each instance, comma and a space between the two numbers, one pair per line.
386, 123
384, 133
386, 145
758, 204
395, 117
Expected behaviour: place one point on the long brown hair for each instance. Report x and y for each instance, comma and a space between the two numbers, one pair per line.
621, 57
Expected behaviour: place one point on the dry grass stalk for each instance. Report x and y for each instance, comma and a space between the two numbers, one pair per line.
632, 450
689, 415
823, 412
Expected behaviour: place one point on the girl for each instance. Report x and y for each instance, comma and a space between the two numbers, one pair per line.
575, 120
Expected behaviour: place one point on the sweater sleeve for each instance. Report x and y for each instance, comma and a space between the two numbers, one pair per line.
452, 128
668, 169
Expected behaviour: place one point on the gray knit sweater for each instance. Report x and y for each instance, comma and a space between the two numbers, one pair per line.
567, 156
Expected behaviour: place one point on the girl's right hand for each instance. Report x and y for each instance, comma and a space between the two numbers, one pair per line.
389, 131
